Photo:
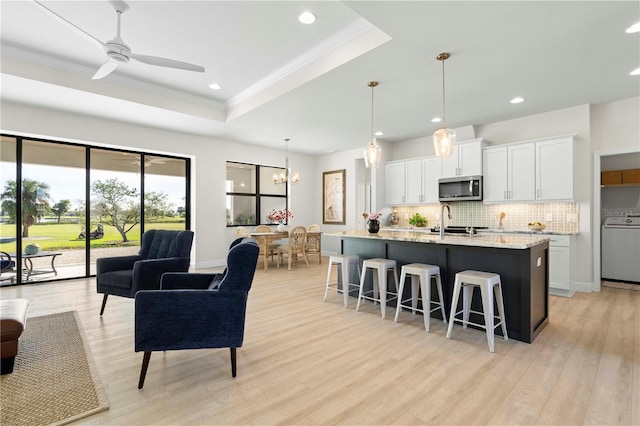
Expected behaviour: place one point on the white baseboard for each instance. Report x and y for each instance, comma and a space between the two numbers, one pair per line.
561, 292
582, 287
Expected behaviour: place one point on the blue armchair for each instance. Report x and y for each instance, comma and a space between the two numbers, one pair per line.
195, 311
161, 251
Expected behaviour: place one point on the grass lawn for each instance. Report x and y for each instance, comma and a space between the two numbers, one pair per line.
51, 236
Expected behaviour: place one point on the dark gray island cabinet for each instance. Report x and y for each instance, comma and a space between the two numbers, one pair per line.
521, 261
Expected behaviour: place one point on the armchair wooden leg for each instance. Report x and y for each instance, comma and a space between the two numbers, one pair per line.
143, 371
233, 362
104, 303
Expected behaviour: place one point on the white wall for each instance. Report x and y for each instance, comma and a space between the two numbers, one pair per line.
212, 238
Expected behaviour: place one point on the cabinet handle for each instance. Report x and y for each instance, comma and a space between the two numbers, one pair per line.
510, 194
505, 195
537, 193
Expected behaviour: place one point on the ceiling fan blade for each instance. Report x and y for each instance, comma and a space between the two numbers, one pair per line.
163, 62
70, 25
106, 69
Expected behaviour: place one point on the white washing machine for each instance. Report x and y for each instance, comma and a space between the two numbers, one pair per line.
620, 251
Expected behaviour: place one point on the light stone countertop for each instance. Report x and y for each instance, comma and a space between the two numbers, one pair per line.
487, 231
507, 241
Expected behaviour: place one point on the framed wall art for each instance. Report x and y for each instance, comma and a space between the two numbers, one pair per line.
333, 197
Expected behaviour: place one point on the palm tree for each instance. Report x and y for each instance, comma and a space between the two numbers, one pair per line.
35, 202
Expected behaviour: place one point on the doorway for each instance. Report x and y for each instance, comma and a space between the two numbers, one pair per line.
601, 161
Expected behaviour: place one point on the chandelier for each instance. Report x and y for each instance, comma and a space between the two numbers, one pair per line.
372, 152
444, 139
286, 176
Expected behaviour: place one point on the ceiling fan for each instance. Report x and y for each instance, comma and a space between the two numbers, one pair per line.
118, 52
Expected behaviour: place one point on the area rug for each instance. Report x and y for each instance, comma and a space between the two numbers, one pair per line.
54, 380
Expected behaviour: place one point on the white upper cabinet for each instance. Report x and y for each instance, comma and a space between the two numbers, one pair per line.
521, 172
509, 173
430, 176
394, 187
413, 181
529, 171
555, 169
495, 174
466, 159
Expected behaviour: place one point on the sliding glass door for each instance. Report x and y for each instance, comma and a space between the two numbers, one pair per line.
76, 203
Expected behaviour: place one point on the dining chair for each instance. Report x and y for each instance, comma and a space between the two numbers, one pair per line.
272, 248
313, 241
296, 246
241, 231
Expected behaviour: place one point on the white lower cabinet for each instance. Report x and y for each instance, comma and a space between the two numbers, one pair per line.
561, 265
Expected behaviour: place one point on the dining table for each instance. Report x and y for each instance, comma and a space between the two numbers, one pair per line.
265, 238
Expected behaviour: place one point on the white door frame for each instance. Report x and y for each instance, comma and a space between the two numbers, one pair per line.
596, 207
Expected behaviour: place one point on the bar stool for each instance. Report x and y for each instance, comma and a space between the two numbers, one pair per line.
382, 266
422, 273
469, 280
344, 261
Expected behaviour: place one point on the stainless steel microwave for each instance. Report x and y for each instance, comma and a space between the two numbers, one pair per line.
467, 188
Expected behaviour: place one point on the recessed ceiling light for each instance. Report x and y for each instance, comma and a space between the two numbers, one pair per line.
635, 72
634, 28
215, 86
379, 133
307, 17
436, 119
517, 100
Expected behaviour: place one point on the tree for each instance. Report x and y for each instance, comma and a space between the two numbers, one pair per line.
117, 205
35, 202
60, 208
156, 206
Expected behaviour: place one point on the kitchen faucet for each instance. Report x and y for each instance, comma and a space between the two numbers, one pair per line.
442, 206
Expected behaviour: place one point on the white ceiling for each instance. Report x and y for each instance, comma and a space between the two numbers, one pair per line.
282, 79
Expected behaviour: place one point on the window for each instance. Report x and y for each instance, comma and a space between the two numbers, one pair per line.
78, 203
252, 193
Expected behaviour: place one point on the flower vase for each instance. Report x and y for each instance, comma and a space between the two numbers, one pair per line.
373, 226
281, 227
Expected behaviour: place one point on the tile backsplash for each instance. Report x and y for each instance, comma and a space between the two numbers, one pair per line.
563, 216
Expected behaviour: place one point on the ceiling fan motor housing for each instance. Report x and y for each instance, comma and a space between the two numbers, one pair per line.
118, 50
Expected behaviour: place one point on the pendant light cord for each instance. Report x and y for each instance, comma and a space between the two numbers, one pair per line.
371, 140
443, 57
444, 115
372, 84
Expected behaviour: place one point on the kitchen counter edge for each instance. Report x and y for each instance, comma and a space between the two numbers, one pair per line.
512, 241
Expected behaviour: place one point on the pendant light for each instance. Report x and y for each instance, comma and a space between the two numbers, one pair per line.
372, 152
444, 139
286, 176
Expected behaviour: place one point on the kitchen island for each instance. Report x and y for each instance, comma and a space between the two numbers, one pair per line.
521, 261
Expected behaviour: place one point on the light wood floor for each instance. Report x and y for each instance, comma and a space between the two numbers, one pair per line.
305, 361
